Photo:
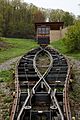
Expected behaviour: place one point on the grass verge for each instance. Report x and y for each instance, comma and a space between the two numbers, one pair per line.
10, 47
59, 45
6, 76
6, 89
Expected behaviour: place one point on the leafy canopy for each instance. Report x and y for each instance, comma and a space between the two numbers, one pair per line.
72, 39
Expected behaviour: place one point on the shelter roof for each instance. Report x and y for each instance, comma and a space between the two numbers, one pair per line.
53, 25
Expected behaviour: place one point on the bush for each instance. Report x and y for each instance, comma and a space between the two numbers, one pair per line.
72, 38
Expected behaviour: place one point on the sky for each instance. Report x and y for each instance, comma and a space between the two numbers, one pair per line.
72, 6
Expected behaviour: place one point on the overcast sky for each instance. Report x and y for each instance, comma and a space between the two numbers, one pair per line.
66, 5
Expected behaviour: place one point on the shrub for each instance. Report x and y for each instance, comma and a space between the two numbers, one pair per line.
72, 38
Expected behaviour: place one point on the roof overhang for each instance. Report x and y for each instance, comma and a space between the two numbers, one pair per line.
53, 25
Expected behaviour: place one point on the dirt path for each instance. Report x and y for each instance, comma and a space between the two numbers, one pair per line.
9, 63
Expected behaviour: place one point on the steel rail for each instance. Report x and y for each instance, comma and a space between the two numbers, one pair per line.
66, 105
57, 105
38, 72
42, 77
66, 97
21, 111
17, 94
28, 97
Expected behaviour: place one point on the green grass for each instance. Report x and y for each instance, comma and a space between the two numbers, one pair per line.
6, 76
59, 45
7, 99
10, 48
15, 47
7, 87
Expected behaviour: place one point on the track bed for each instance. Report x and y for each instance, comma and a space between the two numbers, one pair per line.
41, 76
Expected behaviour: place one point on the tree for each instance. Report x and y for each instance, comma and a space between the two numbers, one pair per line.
72, 39
39, 16
17, 18
62, 16
56, 15
68, 19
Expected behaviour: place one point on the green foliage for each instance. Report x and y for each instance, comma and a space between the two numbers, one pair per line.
6, 89
6, 116
68, 19
60, 15
5, 76
60, 46
7, 99
17, 18
56, 15
72, 39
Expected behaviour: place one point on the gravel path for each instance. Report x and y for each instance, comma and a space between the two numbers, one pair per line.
75, 93
75, 63
9, 63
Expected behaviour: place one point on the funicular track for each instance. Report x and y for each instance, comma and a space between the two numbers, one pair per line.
42, 95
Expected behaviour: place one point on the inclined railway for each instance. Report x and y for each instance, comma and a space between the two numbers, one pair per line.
42, 96
42, 81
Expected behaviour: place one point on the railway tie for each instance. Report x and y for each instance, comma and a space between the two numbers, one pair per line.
42, 95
